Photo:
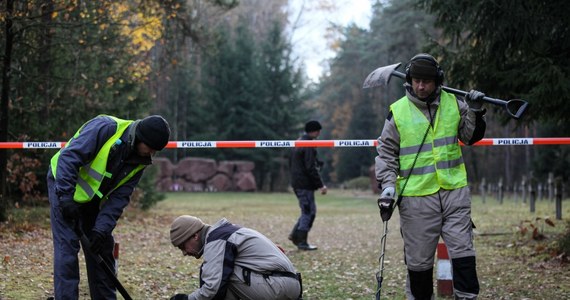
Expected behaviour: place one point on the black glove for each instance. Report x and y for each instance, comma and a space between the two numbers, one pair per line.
386, 208
179, 297
475, 99
96, 241
69, 209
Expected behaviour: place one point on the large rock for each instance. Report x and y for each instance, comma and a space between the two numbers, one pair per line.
182, 185
219, 183
227, 167
196, 169
243, 165
245, 181
194, 174
165, 185
165, 167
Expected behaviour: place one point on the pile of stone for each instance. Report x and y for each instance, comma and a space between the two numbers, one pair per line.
194, 174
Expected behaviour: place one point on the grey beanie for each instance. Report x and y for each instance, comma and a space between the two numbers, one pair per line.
183, 228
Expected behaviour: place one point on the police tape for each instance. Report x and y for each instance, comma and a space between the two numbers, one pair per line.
298, 143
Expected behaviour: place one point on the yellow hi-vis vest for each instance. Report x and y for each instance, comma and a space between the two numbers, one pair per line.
439, 164
92, 174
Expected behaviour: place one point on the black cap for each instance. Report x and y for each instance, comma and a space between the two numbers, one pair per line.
423, 69
154, 131
312, 126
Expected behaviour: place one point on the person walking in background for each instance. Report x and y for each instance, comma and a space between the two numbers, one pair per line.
305, 179
90, 182
239, 263
419, 158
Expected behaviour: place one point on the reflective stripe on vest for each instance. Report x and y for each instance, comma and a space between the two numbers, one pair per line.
91, 175
439, 163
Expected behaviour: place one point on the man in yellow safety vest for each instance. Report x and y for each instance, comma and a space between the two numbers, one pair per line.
420, 160
90, 182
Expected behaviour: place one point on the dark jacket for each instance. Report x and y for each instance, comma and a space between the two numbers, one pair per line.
304, 165
122, 160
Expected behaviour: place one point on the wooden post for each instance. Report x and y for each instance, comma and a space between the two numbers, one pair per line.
550, 186
482, 189
516, 192
523, 188
500, 190
558, 196
532, 193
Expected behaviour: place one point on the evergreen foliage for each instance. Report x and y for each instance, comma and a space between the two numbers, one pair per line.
397, 32
512, 49
253, 93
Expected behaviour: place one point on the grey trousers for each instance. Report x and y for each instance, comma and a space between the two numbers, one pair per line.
423, 220
260, 287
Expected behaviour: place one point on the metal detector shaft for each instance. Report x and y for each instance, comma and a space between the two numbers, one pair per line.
379, 274
108, 270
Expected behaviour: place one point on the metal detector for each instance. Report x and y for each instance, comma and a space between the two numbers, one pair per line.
386, 215
381, 77
380, 273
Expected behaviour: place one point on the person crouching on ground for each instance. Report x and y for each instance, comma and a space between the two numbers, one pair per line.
239, 263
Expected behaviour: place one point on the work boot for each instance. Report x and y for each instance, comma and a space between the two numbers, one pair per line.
303, 245
294, 236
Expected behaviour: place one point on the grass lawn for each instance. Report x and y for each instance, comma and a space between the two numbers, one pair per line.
347, 230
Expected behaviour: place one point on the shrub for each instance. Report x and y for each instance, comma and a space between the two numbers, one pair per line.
564, 241
145, 195
358, 183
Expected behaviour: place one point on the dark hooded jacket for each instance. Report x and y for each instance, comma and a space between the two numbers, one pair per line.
304, 167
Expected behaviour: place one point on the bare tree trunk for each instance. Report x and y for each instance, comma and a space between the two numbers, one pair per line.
46, 58
508, 166
4, 100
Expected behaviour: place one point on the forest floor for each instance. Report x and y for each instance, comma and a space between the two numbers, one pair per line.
511, 264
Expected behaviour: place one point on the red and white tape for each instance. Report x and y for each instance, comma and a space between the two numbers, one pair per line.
298, 143
116, 256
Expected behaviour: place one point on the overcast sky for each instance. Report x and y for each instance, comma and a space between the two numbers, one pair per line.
309, 40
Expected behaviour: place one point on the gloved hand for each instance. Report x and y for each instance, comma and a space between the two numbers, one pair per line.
96, 241
386, 208
69, 209
475, 99
386, 203
388, 193
179, 297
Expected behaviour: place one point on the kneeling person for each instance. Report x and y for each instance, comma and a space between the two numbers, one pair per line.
239, 263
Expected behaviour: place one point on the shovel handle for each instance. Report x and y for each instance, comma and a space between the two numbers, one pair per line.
515, 107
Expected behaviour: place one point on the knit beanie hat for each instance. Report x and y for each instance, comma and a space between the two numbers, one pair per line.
183, 228
423, 69
154, 131
312, 126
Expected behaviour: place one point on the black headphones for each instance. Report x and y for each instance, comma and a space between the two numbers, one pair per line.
429, 58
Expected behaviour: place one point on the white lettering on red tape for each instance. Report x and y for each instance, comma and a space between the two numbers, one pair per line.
42, 145
512, 141
272, 144
196, 144
354, 143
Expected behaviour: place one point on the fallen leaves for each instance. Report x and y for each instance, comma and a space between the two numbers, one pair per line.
347, 231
